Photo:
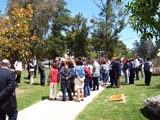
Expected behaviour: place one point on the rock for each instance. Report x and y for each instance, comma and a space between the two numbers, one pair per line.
156, 66
153, 104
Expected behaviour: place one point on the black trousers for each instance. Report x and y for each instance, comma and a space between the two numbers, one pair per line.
95, 83
148, 75
12, 114
18, 77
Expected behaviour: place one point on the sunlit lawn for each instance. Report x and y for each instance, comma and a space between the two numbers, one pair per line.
100, 108
29, 94
132, 109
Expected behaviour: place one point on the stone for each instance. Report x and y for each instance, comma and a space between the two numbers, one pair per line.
156, 65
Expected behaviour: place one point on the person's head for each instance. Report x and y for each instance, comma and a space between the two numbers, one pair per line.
63, 64
89, 62
54, 65
79, 62
148, 58
103, 61
70, 64
5, 63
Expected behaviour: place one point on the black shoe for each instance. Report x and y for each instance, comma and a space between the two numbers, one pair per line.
71, 99
82, 99
50, 98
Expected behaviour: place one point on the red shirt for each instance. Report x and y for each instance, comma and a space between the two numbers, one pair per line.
54, 73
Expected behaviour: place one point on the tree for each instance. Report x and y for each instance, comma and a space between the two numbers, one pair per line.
144, 48
145, 17
109, 24
121, 50
15, 38
43, 12
77, 37
56, 43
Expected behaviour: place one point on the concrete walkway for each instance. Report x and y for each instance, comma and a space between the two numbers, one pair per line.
56, 110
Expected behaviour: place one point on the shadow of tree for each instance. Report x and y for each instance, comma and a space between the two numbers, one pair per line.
155, 87
148, 114
44, 97
140, 84
123, 83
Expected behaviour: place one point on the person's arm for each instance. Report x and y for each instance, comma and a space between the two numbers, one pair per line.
9, 88
61, 74
94, 69
83, 72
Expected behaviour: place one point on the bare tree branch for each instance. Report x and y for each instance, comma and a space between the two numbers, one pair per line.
99, 6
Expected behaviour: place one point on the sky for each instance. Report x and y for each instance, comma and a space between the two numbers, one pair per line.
90, 10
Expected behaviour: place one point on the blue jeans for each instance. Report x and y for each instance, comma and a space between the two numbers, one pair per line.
65, 85
86, 87
105, 77
137, 73
12, 114
42, 78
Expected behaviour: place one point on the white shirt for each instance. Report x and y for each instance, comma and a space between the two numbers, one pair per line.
18, 65
34, 62
96, 73
136, 63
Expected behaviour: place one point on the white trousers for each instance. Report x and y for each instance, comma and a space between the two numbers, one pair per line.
55, 86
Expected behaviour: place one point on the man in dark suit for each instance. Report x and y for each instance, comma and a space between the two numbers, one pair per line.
8, 102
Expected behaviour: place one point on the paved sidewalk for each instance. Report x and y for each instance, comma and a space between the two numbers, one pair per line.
56, 110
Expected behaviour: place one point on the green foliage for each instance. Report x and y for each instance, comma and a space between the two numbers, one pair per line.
145, 17
77, 41
121, 50
108, 26
44, 10
56, 42
15, 37
55, 46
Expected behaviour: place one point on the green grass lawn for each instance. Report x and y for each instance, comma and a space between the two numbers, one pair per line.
100, 108
132, 109
29, 94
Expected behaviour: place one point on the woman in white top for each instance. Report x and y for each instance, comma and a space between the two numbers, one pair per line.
18, 69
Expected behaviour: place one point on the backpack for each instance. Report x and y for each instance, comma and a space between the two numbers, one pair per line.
103, 69
87, 72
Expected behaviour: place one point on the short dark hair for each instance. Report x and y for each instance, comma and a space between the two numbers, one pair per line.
79, 62
54, 65
70, 64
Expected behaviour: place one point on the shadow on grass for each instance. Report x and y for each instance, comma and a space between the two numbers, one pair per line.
123, 83
148, 114
36, 84
155, 87
27, 82
44, 97
140, 84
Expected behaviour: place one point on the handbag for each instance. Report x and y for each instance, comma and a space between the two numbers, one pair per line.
49, 78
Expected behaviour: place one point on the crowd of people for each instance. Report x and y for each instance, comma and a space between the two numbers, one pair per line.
77, 77
83, 75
